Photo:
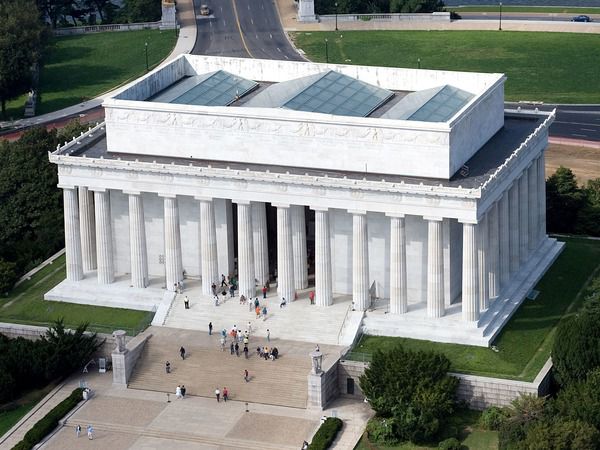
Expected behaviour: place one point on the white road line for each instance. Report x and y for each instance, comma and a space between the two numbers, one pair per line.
578, 123
286, 57
270, 35
256, 36
252, 21
580, 135
225, 22
248, 7
588, 129
278, 49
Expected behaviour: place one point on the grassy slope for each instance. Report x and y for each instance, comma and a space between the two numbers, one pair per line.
550, 67
25, 404
525, 343
25, 304
78, 68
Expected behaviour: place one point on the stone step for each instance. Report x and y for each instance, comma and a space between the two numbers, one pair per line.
220, 442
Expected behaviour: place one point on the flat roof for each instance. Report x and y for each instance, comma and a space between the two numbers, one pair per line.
517, 127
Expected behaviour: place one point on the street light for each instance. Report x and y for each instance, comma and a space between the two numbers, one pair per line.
326, 51
418, 63
336, 12
146, 49
500, 24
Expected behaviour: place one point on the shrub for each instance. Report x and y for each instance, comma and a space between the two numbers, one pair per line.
382, 431
450, 444
326, 434
581, 401
523, 413
413, 388
49, 422
561, 435
492, 418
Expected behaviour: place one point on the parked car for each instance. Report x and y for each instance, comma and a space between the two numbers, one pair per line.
581, 18
204, 10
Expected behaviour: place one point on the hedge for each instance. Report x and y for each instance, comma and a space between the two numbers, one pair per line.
326, 434
50, 421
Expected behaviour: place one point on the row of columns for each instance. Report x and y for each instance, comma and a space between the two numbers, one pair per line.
494, 249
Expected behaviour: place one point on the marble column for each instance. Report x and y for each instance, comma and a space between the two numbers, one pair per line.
72, 234
285, 252
542, 196
261, 249
104, 249
533, 205
172, 242
245, 250
87, 226
513, 218
398, 291
493, 259
523, 218
137, 241
504, 238
299, 245
435, 267
470, 277
323, 279
208, 246
360, 261
482, 263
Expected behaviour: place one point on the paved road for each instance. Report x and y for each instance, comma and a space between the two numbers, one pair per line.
242, 28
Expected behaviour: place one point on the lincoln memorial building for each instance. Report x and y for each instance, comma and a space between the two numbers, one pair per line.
410, 202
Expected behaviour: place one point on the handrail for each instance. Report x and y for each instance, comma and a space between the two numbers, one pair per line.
343, 322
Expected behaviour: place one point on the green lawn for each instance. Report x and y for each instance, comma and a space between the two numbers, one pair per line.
470, 435
22, 406
78, 68
25, 304
525, 9
526, 341
550, 67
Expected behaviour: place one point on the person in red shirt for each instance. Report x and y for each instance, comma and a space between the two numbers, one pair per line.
264, 291
225, 394
311, 297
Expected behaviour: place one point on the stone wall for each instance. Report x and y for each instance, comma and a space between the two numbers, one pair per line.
124, 362
323, 388
479, 392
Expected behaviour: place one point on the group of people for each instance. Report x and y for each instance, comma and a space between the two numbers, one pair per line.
180, 391
267, 353
90, 431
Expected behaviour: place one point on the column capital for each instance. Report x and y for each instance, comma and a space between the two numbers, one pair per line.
357, 212
127, 192
433, 218
280, 205
98, 189
396, 215
66, 186
203, 199
241, 202
319, 208
468, 221
164, 195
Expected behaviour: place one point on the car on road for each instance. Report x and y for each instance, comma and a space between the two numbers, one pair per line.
581, 18
204, 10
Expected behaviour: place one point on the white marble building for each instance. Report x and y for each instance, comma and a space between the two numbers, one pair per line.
412, 193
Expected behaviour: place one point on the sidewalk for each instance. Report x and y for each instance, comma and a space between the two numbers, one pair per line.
185, 44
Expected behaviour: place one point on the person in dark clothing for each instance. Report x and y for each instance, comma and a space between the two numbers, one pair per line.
182, 352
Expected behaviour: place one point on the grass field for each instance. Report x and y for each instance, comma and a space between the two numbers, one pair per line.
525, 9
550, 67
26, 304
464, 420
77, 68
526, 341
23, 406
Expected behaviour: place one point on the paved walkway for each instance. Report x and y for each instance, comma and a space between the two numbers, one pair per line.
143, 420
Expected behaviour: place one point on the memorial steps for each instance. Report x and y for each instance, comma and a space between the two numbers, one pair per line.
282, 382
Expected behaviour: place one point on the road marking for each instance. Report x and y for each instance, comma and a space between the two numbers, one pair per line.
256, 36
286, 57
270, 35
578, 123
588, 129
580, 135
248, 7
278, 49
237, 21
225, 23
252, 21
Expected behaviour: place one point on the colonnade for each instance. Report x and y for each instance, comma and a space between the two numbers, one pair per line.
494, 247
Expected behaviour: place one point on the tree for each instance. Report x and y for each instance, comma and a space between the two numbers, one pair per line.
581, 400
560, 434
589, 215
564, 200
21, 37
143, 10
523, 412
416, 6
413, 389
8, 276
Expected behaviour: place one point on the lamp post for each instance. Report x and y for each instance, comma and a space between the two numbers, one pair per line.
336, 13
418, 63
146, 49
500, 23
326, 51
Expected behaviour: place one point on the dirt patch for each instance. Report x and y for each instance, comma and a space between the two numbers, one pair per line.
583, 161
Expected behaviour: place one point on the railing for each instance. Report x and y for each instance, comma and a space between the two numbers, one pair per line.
69, 31
392, 17
358, 356
339, 335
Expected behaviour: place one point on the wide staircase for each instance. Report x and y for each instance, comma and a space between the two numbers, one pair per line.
282, 382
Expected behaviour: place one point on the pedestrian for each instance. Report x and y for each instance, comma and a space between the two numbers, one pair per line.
78, 430
246, 376
222, 344
246, 340
231, 348
90, 432
249, 327
214, 288
246, 350
264, 312
237, 350
232, 290
258, 312
251, 306
283, 302
240, 337
223, 280
216, 298
266, 353
256, 303
210, 328
242, 299
186, 302
264, 291
268, 335
311, 297
224, 333
225, 394
182, 352
235, 328
178, 391
317, 349
183, 391
218, 394
168, 367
